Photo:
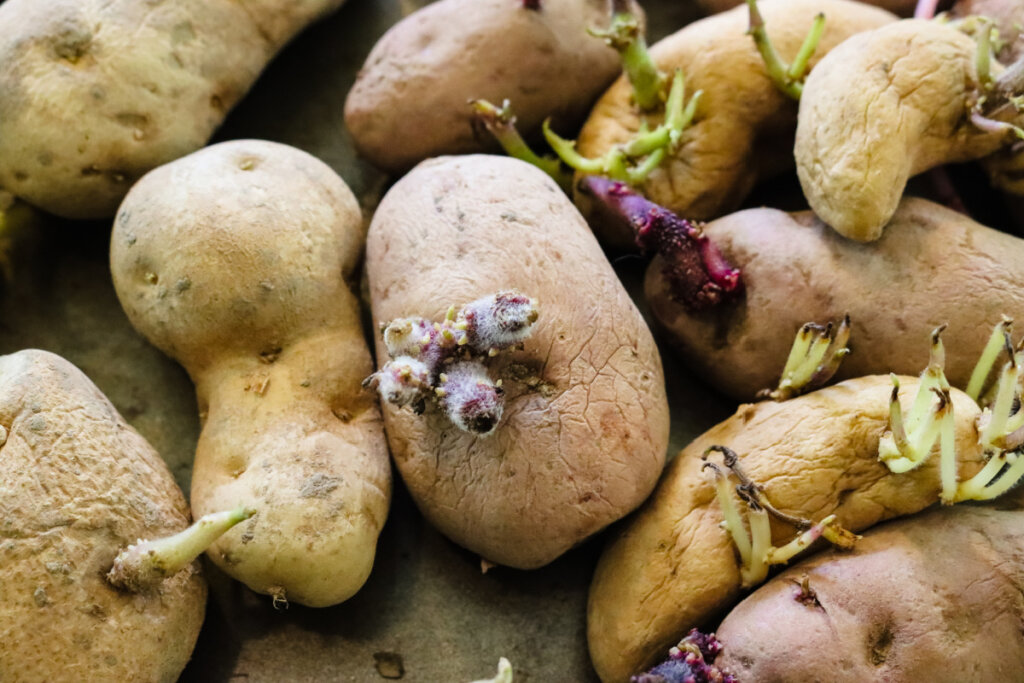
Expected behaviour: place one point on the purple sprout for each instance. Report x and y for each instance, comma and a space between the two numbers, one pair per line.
699, 275
691, 661
445, 361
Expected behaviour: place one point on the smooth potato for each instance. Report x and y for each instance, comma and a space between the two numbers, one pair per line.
934, 266
585, 424
95, 93
411, 99
935, 597
77, 486
673, 568
239, 262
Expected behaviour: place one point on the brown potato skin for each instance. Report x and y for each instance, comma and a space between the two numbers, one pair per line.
903, 8
76, 487
239, 262
933, 266
880, 108
587, 443
936, 598
410, 100
743, 129
93, 94
673, 568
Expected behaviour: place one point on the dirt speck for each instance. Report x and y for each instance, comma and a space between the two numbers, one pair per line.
389, 664
318, 486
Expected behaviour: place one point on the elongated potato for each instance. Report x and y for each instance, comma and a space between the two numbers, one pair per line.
880, 108
934, 266
673, 568
77, 486
238, 262
585, 424
744, 125
94, 93
411, 99
936, 597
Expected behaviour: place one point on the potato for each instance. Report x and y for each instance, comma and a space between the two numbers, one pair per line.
936, 598
933, 266
585, 424
77, 485
903, 8
880, 108
672, 567
1008, 16
94, 94
743, 127
238, 261
411, 98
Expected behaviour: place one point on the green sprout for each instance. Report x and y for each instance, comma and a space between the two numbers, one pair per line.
501, 123
788, 79
813, 359
625, 36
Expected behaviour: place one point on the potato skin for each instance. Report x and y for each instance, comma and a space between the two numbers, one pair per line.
934, 266
880, 108
743, 129
936, 597
94, 93
238, 261
903, 8
586, 444
673, 568
77, 486
410, 100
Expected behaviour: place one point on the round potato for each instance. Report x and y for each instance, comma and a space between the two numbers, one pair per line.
239, 262
93, 94
77, 486
585, 424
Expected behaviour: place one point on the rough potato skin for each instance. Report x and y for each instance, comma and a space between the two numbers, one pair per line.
586, 442
410, 100
94, 93
936, 598
673, 568
880, 108
238, 261
77, 485
743, 128
934, 266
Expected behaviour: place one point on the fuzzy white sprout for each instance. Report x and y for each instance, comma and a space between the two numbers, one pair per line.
910, 439
757, 554
813, 359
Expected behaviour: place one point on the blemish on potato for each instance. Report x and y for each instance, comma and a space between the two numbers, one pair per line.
37, 423
318, 485
270, 355
247, 164
880, 643
40, 597
182, 285
151, 277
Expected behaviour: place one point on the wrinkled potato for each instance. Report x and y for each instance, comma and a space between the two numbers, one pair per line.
239, 261
673, 567
410, 100
95, 94
933, 266
585, 424
936, 598
77, 485
742, 132
880, 108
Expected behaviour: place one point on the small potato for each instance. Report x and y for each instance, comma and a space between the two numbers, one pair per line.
78, 485
742, 132
936, 597
93, 94
238, 261
585, 426
411, 99
933, 266
672, 567
880, 108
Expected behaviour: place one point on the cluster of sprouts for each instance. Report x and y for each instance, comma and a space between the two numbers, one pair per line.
813, 359
692, 660
444, 360
788, 78
755, 548
911, 438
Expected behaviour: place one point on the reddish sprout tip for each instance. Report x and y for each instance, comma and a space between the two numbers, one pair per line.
698, 274
691, 661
